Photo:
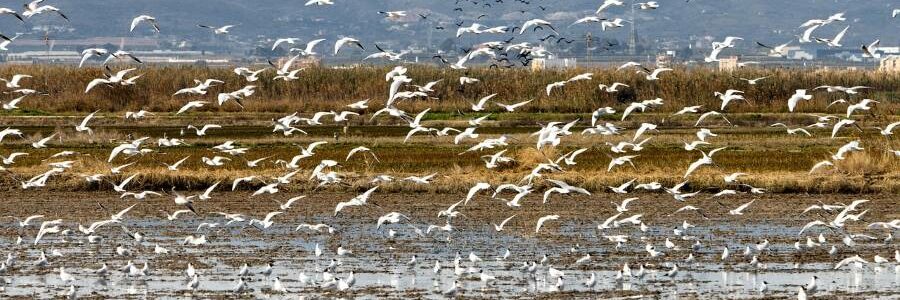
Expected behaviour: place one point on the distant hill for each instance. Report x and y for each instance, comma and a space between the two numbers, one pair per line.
772, 21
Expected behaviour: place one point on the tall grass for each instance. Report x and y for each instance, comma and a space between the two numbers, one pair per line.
327, 89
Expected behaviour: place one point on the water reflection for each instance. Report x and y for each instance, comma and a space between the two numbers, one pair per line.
381, 267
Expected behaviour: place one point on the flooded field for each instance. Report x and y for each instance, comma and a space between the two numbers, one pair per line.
397, 260
495, 158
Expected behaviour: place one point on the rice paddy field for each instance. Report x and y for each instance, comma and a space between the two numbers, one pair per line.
396, 259
773, 159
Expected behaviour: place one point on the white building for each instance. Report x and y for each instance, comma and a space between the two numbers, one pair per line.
890, 64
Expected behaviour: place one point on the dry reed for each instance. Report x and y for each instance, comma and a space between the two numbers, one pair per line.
329, 89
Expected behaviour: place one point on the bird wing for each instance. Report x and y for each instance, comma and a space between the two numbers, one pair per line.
551, 191
341, 205
840, 35
744, 206
890, 127
475, 189
693, 167
338, 44
629, 109
87, 118
713, 151
17, 77
210, 189
354, 151
270, 215
292, 200
420, 115
808, 33
311, 44
852, 259
118, 149
136, 21
837, 127
313, 145
484, 99
810, 225
47, 139
122, 213
96, 225
177, 163
658, 71
94, 83
502, 224
453, 207
792, 102
520, 104
122, 73
239, 180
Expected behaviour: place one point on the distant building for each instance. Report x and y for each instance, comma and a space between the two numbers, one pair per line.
849, 54
129, 43
889, 50
798, 53
152, 57
665, 60
556, 63
890, 64
537, 64
304, 62
728, 64
35, 57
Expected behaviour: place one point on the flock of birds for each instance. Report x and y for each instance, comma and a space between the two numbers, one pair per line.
404, 88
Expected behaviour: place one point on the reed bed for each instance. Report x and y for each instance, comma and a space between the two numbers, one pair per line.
329, 89
458, 179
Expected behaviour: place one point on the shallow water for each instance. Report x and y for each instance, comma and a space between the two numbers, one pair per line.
381, 268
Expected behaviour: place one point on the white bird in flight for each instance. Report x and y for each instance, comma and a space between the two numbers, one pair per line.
544, 219
218, 30
144, 18
345, 41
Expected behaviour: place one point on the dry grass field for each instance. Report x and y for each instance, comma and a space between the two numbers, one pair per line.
774, 160
327, 89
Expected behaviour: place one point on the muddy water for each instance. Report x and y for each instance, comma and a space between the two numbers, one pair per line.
381, 262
